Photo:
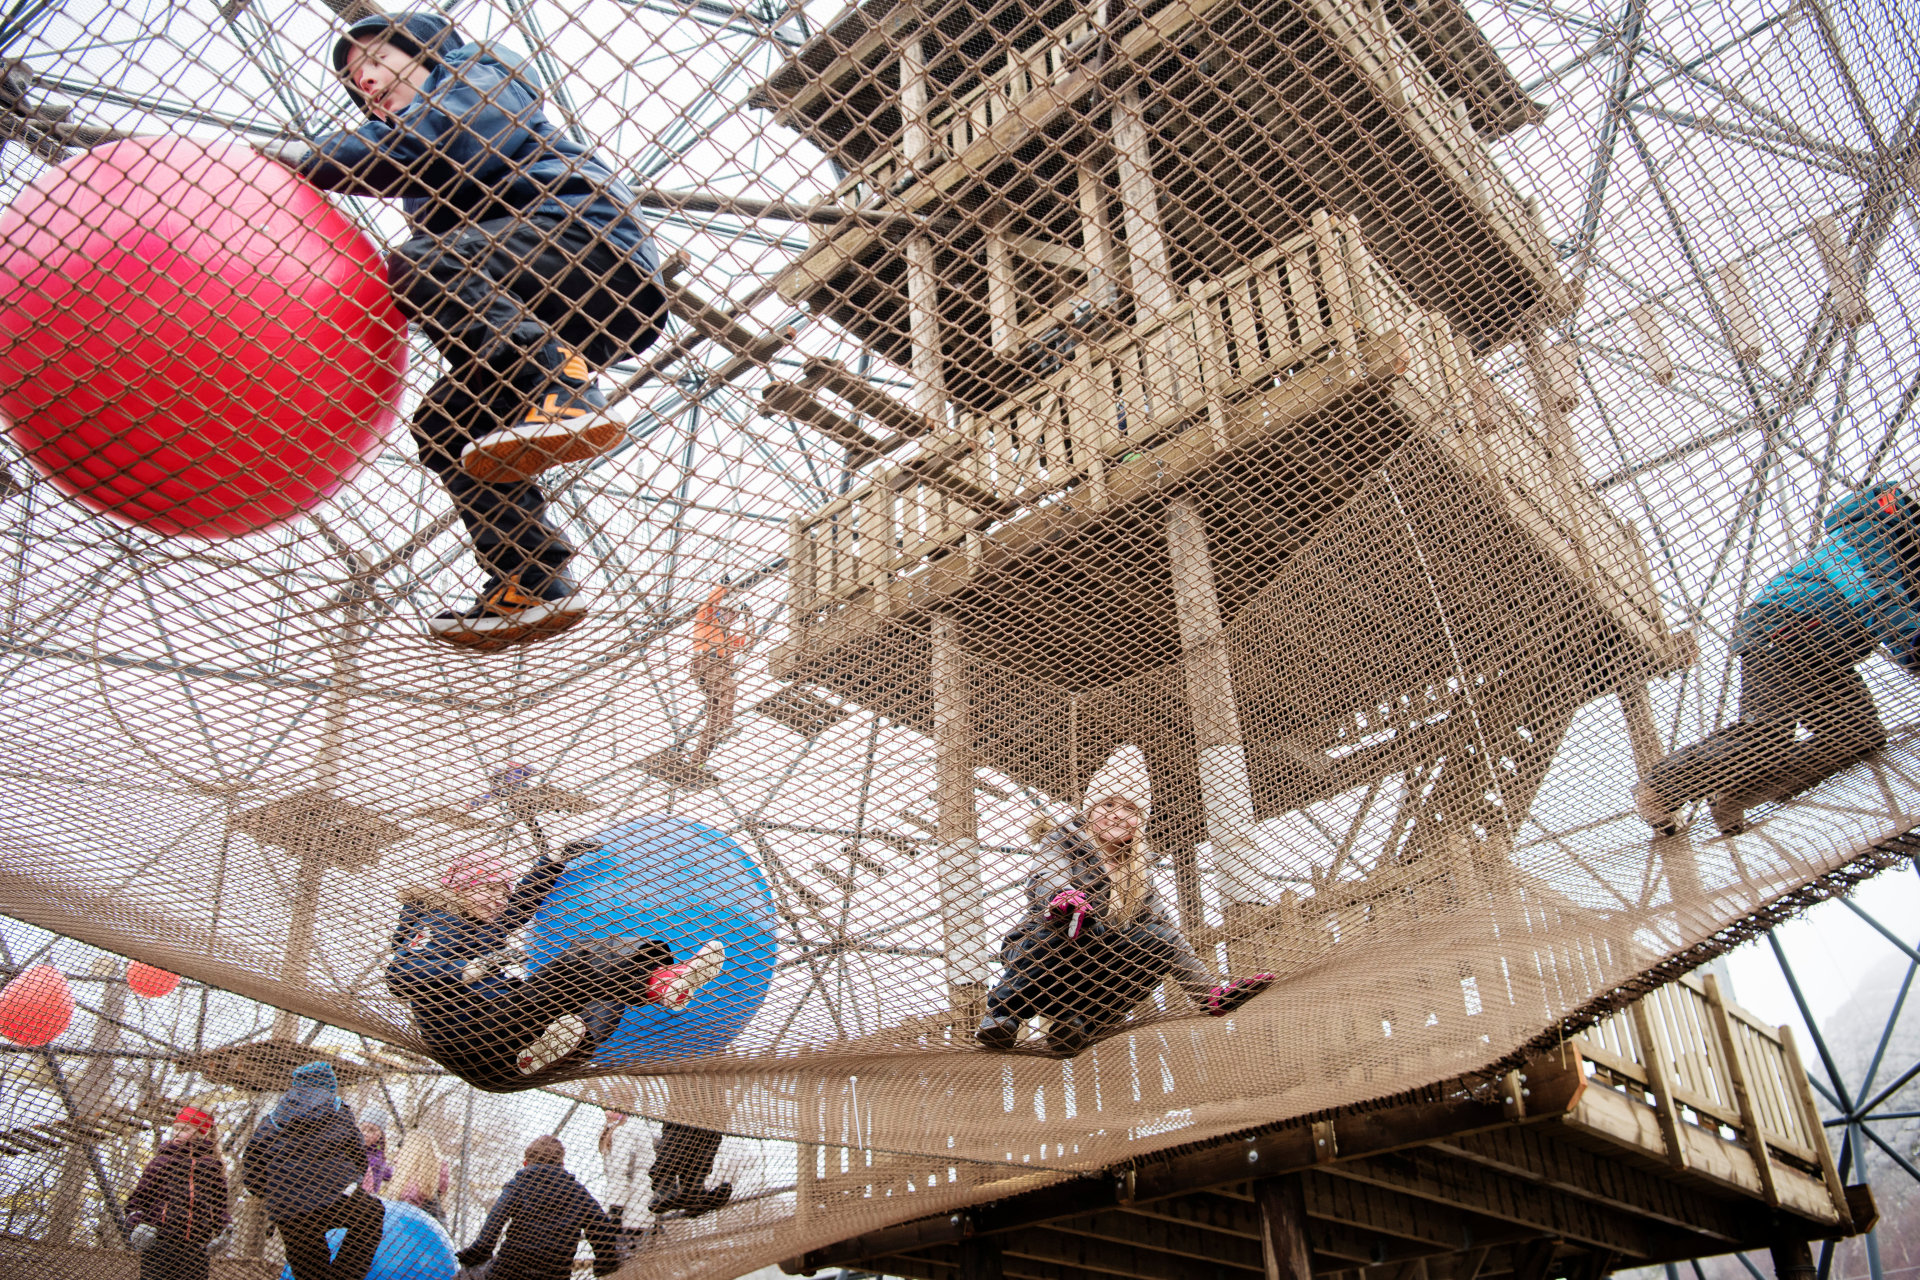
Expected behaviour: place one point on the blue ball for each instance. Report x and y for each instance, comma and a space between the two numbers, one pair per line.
412, 1246
683, 883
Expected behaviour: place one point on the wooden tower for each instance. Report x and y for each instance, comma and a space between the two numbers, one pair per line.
1197, 454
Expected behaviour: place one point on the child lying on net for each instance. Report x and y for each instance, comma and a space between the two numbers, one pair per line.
1096, 941
505, 1033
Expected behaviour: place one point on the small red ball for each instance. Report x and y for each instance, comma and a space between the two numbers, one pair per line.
193, 340
36, 1006
145, 980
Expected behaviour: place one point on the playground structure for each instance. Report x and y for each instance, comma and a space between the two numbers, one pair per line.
1231, 403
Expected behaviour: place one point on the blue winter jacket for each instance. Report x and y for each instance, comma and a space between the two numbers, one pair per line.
1853, 592
433, 939
476, 145
307, 1151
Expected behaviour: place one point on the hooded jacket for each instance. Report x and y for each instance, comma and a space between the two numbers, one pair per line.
1067, 858
1853, 592
473, 145
549, 1211
435, 937
182, 1193
308, 1150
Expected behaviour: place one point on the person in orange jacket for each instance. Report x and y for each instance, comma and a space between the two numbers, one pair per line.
721, 632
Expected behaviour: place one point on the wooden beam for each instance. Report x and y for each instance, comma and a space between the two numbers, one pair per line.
1653, 1056
1533, 1154
1754, 1138
1113, 1257
797, 402
1478, 1190
1391, 1213
1283, 1227
1177, 1239
866, 397
1803, 1088
980, 1259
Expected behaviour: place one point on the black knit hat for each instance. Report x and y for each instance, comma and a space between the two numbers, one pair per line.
416, 32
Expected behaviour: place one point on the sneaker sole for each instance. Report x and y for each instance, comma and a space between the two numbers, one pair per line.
546, 1051
492, 634
521, 453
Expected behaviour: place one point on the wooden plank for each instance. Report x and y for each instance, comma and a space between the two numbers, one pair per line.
1113, 1257
1619, 1122
1750, 1128
1657, 1082
1797, 1073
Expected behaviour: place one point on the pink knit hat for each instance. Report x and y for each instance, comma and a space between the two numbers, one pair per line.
474, 868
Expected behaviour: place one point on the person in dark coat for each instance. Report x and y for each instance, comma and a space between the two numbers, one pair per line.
178, 1209
527, 272
306, 1161
505, 1033
1096, 941
1805, 713
544, 1212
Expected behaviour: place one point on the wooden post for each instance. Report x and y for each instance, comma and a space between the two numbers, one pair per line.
915, 140
1003, 295
1663, 1107
1737, 1078
88, 1098
1096, 237
1225, 791
980, 1258
923, 328
1792, 1260
962, 911
1282, 1203
1150, 263
1816, 1131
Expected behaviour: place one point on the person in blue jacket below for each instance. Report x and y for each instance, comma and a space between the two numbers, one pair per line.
544, 1212
527, 272
1805, 713
305, 1161
452, 963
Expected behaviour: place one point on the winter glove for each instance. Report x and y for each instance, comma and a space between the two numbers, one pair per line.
143, 1236
480, 966
1070, 906
218, 1245
473, 1255
291, 152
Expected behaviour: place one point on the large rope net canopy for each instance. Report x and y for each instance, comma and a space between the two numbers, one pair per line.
1348, 534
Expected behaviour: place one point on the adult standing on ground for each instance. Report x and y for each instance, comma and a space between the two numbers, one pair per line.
721, 633
543, 1211
306, 1161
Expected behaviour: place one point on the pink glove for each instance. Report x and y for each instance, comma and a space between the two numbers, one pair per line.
1071, 906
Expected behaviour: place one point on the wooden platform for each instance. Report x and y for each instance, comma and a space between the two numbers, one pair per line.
1601, 1157
1380, 519
1261, 111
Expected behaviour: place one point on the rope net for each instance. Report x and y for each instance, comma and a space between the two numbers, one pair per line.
970, 591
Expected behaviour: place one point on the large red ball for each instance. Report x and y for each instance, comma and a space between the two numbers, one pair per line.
192, 339
36, 1006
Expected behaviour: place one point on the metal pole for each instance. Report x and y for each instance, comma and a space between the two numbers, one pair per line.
466, 1172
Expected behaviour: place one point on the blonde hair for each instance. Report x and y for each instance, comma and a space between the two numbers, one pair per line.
416, 1166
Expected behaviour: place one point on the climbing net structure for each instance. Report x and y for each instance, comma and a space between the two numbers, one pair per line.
1445, 462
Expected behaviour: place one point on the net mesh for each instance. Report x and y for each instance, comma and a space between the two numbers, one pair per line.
970, 590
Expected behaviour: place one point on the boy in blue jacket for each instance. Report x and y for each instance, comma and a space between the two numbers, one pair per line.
1798, 643
545, 1213
525, 270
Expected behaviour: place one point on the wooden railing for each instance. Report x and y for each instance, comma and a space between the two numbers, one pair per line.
1232, 337
1702, 1061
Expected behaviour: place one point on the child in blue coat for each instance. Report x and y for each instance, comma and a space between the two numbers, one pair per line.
505, 1033
525, 270
1798, 644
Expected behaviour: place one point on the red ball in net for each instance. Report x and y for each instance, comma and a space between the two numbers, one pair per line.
145, 980
192, 339
36, 1006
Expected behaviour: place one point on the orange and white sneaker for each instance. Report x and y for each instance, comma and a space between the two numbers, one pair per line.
676, 985
567, 422
506, 614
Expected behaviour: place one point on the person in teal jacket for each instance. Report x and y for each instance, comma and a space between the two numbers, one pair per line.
1805, 713
525, 269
